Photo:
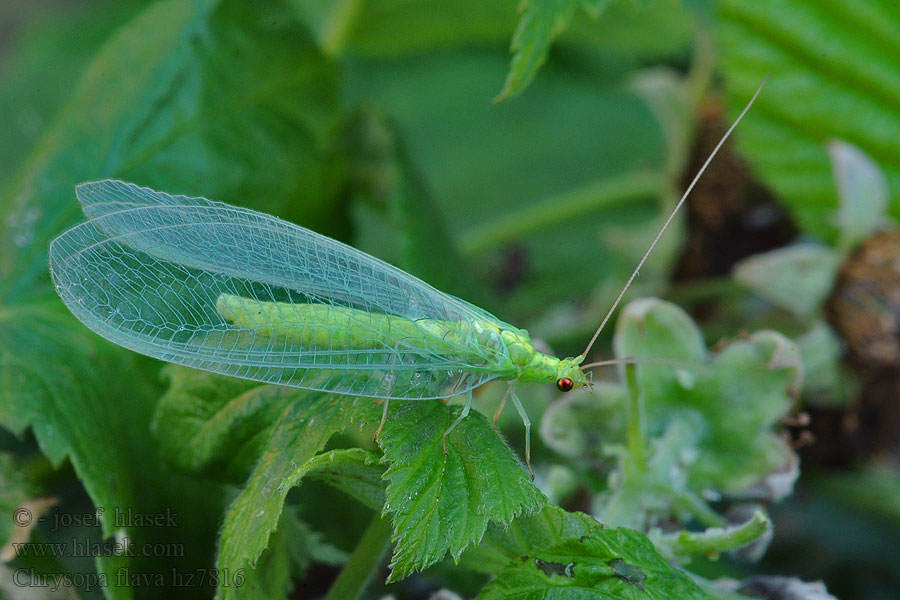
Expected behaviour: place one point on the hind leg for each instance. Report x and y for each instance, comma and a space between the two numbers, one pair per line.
527, 422
502, 403
383, 419
462, 415
387, 385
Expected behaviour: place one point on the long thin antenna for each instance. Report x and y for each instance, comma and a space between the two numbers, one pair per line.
668, 222
679, 364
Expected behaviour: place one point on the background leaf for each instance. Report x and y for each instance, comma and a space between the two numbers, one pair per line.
369, 28
703, 431
301, 431
398, 208
541, 21
203, 112
93, 409
862, 193
40, 77
837, 58
798, 278
485, 173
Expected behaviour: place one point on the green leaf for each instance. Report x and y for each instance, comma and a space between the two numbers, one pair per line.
216, 426
444, 502
384, 174
301, 431
355, 471
40, 64
439, 503
540, 23
581, 559
528, 532
190, 97
93, 406
833, 76
271, 436
798, 278
370, 28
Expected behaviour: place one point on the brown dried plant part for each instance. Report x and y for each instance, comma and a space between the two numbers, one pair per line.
864, 307
730, 215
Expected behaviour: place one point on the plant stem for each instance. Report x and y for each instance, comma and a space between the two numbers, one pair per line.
634, 417
559, 209
364, 561
717, 540
706, 289
700, 510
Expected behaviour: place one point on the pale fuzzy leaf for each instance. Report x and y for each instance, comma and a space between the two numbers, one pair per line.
725, 408
797, 278
862, 192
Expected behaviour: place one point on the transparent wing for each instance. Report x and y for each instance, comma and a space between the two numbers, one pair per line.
146, 272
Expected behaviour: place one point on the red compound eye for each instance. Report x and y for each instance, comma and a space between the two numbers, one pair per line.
565, 384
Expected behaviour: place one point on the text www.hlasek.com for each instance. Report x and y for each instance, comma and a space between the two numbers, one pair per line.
79, 547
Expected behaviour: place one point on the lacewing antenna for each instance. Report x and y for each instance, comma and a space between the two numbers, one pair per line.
680, 364
669, 220
675, 364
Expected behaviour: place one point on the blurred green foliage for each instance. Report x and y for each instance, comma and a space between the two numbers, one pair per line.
836, 79
381, 124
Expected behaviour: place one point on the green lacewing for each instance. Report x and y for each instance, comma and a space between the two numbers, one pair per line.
242, 293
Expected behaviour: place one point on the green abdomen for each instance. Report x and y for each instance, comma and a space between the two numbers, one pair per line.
328, 328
